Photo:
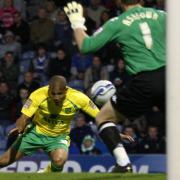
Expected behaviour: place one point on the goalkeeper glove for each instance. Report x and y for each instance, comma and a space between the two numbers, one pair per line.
74, 11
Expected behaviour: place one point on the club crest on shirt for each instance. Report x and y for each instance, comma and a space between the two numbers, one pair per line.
67, 110
92, 105
27, 104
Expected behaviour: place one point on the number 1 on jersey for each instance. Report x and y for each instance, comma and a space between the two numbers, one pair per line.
146, 32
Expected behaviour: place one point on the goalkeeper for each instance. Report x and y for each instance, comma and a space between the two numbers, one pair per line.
141, 34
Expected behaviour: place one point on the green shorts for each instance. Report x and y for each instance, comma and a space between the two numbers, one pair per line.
31, 141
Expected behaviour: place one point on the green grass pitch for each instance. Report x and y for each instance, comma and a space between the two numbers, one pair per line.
80, 176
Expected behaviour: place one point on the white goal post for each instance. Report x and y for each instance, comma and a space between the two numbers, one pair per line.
173, 89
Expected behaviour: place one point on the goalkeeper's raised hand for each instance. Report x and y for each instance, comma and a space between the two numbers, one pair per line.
74, 11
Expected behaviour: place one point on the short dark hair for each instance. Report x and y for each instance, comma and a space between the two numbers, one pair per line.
57, 80
130, 2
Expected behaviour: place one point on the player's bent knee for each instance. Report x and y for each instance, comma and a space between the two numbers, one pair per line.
59, 161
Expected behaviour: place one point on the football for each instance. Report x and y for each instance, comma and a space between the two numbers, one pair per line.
102, 91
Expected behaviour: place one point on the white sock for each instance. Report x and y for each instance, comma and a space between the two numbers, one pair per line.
121, 156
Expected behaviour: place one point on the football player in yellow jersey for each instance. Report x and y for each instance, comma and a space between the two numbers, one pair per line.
51, 109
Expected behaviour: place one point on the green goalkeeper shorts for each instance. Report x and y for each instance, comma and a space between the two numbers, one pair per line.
31, 141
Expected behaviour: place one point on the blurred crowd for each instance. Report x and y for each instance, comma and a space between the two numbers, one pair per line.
36, 42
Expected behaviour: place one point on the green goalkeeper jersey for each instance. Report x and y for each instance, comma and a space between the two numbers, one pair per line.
141, 34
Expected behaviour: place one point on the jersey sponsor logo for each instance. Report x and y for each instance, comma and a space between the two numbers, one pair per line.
92, 105
53, 119
53, 116
27, 104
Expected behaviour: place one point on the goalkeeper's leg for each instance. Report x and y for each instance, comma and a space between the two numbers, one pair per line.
108, 132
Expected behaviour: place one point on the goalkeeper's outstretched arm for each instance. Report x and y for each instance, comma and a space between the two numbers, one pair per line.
79, 35
74, 11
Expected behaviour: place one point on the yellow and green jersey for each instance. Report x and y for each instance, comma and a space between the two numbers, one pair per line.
52, 120
141, 34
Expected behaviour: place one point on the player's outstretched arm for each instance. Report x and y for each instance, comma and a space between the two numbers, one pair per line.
74, 12
21, 123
